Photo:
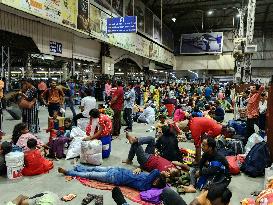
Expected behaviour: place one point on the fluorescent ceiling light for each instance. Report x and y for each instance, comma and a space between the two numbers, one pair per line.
210, 12
238, 15
174, 19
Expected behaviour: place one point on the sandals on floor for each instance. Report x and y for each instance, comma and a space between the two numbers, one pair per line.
68, 197
99, 200
88, 199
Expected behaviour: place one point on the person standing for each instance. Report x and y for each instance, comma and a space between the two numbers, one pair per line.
117, 104
262, 109
41, 88
108, 88
30, 115
53, 98
129, 101
252, 109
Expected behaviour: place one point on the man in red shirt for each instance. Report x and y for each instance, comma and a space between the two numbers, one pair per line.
253, 109
201, 127
148, 160
117, 104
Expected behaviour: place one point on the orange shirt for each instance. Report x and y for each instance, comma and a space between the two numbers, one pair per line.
54, 96
252, 108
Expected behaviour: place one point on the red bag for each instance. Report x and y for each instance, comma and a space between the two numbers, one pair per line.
233, 162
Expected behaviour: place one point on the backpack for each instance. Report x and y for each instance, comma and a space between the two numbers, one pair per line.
239, 126
152, 195
235, 147
257, 160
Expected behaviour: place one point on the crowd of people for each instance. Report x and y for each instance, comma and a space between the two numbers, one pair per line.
177, 112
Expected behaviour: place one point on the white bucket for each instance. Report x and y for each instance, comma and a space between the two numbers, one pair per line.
14, 172
15, 164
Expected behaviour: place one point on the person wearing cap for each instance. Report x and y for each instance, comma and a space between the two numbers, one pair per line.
200, 127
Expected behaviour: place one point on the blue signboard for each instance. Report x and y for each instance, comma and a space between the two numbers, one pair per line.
55, 47
127, 24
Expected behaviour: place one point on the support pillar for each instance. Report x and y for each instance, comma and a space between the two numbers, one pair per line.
28, 70
64, 70
269, 123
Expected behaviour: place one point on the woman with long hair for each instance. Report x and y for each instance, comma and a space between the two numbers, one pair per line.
30, 115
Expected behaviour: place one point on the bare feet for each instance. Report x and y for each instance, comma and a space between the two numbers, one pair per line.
189, 189
131, 139
62, 171
127, 162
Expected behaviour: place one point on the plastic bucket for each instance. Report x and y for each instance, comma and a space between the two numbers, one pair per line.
14, 163
106, 146
14, 172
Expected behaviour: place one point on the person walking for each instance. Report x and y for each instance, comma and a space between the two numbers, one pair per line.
53, 98
116, 104
129, 101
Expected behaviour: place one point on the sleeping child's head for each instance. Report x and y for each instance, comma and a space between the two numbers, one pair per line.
67, 123
32, 143
18, 130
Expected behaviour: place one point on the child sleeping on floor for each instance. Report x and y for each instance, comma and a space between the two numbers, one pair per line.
21, 135
35, 163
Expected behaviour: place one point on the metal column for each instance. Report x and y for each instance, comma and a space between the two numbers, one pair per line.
5, 64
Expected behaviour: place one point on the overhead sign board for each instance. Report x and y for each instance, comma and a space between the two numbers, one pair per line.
127, 24
55, 47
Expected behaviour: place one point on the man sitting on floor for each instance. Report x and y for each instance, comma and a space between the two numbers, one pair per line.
148, 160
217, 170
119, 176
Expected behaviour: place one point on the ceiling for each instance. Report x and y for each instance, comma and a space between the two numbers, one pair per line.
190, 14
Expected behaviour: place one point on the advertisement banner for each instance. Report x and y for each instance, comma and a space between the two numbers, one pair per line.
117, 5
83, 15
157, 29
95, 19
201, 43
62, 12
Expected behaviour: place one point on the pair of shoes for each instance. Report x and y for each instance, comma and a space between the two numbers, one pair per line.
91, 197
118, 196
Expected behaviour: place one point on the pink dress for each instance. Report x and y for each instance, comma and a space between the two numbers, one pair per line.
22, 141
179, 115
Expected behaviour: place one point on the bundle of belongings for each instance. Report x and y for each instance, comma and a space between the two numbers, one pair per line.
265, 197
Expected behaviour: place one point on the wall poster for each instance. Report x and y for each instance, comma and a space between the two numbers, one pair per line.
149, 24
157, 29
116, 4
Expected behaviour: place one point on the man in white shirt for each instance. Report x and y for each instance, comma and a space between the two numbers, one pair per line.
87, 103
148, 116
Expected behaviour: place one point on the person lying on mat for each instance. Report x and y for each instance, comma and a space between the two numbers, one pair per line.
215, 195
44, 198
148, 160
118, 176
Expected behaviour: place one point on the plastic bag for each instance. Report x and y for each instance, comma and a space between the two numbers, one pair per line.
91, 152
252, 140
77, 132
83, 123
74, 149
